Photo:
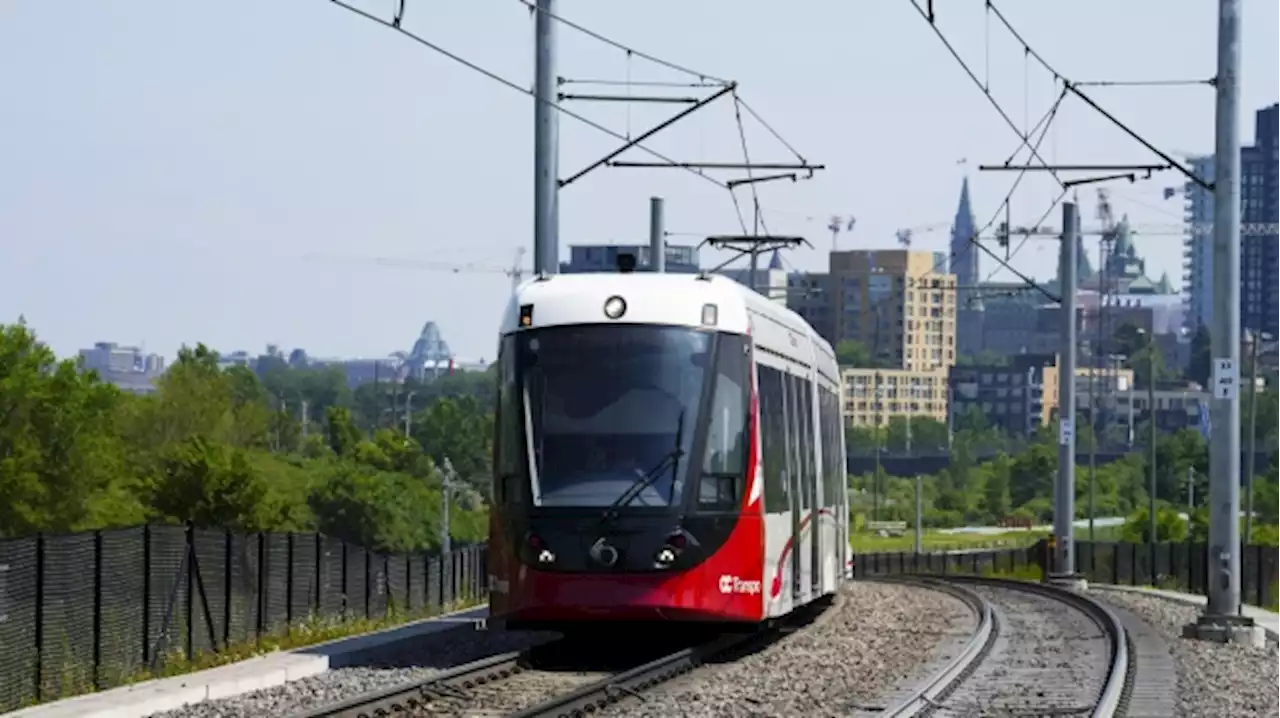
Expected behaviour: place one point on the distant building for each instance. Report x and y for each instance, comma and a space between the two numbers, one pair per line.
1260, 248
964, 267
129, 368
771, 281
900, 392
680, 259
1011, 397
1197, 252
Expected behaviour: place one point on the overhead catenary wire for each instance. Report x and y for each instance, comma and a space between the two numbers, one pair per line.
524, 91
1074, 88
979, 84
704, 80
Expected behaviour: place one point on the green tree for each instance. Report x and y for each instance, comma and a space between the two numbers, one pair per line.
996, 500
1169, 526
853, 354
462, 431
212, 486
58, 450
343, 434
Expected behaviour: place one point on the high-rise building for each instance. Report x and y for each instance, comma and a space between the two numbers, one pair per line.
895, 303
1259, 213
1197, 252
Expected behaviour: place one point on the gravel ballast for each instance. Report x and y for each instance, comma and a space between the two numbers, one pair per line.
1213, 679
876, 638
411, 659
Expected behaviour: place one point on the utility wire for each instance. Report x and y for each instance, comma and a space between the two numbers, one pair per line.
609, 41
1145, 83
981, 87
758, 219
508, 83
1074, 88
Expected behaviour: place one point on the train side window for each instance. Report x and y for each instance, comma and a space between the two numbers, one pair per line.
830, 472
508, 445
773, 438
805, 442
724, 465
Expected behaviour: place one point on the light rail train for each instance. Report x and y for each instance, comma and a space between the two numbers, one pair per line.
667, 448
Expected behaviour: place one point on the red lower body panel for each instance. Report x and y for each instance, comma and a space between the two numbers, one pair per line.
727, 586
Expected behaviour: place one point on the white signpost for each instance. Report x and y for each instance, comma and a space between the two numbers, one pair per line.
1225, 381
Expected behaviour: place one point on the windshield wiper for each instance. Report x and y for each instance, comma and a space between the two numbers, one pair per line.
671, 459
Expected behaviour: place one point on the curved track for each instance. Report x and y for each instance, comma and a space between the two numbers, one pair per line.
1037, 651
565, 677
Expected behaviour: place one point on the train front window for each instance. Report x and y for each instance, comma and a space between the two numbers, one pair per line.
606, 405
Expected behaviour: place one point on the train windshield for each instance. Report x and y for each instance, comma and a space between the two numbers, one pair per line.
606, 405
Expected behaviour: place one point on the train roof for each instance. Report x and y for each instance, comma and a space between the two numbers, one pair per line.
651, 298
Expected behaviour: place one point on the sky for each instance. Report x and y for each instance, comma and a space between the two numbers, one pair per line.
225, 172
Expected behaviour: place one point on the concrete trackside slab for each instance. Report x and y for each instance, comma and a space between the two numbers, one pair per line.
143, 699
1270, 622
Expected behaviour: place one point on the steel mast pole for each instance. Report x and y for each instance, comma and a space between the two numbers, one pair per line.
546, 144
1064, 494
1221, 620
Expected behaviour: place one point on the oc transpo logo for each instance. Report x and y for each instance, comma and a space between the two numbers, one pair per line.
733, 584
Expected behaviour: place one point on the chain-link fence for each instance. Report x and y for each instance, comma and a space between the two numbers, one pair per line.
1181, 567
89, 611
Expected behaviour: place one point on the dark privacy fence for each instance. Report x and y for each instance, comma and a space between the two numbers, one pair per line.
1174, 566
88, 611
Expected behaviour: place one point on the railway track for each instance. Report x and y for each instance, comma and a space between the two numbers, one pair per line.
1037, 651
564, 677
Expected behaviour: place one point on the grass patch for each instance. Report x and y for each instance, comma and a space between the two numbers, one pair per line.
934, 541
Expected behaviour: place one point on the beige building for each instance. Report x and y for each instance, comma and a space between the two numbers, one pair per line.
896, 305
902, 392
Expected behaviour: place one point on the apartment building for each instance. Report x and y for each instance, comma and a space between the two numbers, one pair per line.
897, 304
900, 392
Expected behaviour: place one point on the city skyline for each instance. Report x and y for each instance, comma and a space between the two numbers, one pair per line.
144, 200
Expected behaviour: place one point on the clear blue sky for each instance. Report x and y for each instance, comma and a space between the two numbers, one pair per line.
166, 167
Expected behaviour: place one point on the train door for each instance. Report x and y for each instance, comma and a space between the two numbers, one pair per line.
816, 476
789, 403
804, 479
810, 484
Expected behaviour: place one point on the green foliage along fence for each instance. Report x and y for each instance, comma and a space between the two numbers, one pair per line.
93, 610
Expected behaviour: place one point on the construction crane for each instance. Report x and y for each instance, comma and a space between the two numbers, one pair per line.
839, 223
516, 271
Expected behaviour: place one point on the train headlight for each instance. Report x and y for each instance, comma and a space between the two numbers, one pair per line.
666, 556
615, 307
545, 556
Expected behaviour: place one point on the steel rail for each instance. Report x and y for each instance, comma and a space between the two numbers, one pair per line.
923, 698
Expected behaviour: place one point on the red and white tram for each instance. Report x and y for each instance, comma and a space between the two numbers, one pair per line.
668, 447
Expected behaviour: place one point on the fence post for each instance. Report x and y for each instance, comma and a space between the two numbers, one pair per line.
146, 594
261, 627
227, 563
408, 582
97, 610
190, 535
288, 581
1260, 587
39, 616
390, 600
320, 563
368, 584
346, 607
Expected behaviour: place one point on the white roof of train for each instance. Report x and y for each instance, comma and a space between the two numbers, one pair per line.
652, 298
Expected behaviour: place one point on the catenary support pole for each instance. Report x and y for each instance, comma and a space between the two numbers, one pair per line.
1093, 437
1224, 406
1064, 487
1251, 456
1153, 526
657, 235
546, 144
